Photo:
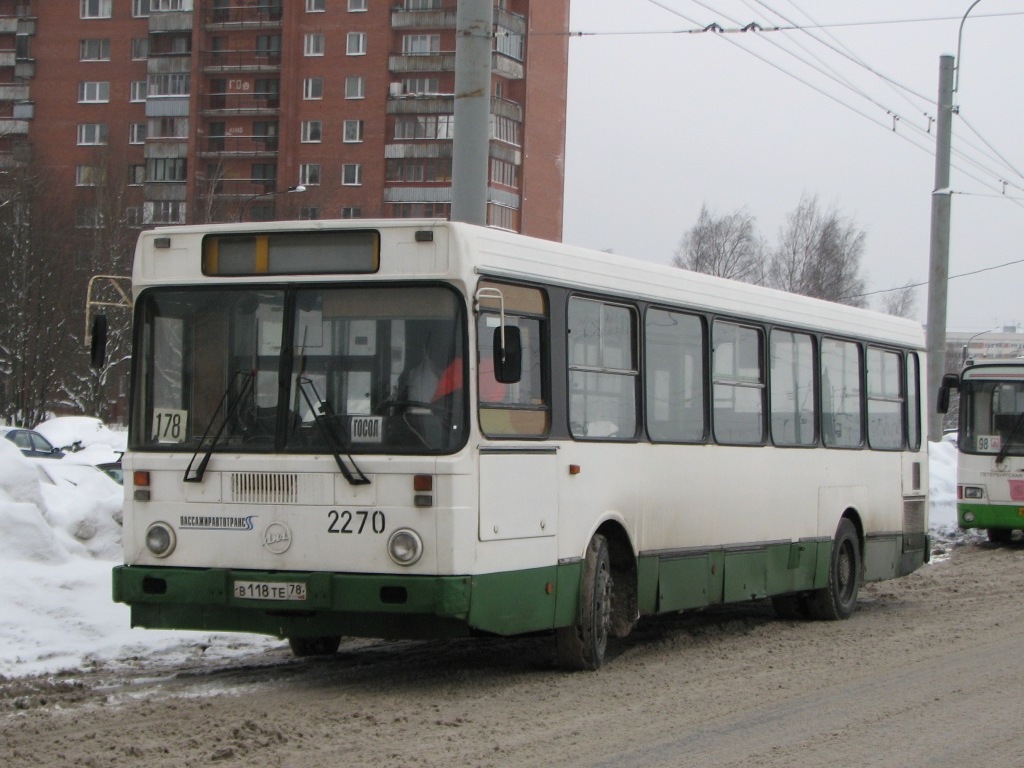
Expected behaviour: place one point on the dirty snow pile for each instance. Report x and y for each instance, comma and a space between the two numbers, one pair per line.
62, 535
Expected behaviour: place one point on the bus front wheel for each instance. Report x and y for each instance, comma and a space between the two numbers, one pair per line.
999, 535
583, 645
839, 599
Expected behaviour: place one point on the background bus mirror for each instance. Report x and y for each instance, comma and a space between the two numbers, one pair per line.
949, 381
98, 347
508, 362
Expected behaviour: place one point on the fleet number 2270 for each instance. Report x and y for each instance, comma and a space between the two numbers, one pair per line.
358, 521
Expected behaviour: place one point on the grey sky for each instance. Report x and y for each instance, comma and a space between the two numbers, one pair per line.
660, 124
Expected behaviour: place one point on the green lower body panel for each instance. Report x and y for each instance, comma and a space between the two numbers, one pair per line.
697, 578
355, 605
1005, 516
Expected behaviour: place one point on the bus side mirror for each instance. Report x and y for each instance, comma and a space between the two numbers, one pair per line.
508, 357
98, 347
949, 381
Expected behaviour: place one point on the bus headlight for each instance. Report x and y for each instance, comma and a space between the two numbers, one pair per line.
973, 492
160, 539
405, 546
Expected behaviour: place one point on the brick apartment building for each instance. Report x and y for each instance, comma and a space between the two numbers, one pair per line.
210, 110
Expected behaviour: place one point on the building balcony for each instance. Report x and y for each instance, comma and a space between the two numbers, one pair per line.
14, 92
239, 15
242, 102
445, 62
10, 127
238, 146
241, 61
431, 19
170, 21
421, 105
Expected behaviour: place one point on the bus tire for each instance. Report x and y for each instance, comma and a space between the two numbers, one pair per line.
999, 535
583, 645
839, 599
314, 646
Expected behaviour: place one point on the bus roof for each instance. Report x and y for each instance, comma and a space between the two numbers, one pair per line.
496, 253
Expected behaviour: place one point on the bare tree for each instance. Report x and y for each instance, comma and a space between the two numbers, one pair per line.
36, 299
901, 302
726, 246
819, 254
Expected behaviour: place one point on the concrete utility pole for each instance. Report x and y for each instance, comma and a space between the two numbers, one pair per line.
938, 273
474, 33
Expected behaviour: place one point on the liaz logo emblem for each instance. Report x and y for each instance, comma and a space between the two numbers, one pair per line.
277, 538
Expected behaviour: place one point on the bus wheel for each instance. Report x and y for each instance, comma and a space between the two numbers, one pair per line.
999, 535
314, 646
582, 645
839, 598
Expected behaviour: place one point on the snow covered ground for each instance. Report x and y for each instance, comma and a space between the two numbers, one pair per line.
61, 537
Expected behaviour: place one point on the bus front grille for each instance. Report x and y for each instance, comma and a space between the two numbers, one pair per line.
264, 488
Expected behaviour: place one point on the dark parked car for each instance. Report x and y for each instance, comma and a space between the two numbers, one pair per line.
31, 443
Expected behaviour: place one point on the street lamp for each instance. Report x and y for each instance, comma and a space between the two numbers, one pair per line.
245, 205
967, 347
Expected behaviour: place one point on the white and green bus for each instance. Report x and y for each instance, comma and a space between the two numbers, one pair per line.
990, 442
416, 428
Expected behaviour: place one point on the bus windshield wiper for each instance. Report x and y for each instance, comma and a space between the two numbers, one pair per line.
248, 378
326, 421
1005, 450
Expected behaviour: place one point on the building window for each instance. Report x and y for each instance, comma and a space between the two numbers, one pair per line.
137, 133
419, 169
315, 6
309, 174
352, 174
357, 5
351, 213
309, 214
353, 131
136, 175
166, 169
421, 85
138, 92
140, 8
312, 131
265, 173
165, 212
94, 9
424, 126
421, 45
505, 129
314, 44
269, 46
313, 88
93, 93
355, 87
422, 5
92, 133
504, 172
94, 50
133, 217
172, 84
140, 48
355, 44
168, 128
89, 176
88, 218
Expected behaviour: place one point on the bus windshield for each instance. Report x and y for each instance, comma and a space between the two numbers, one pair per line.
300, 369
993, 417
